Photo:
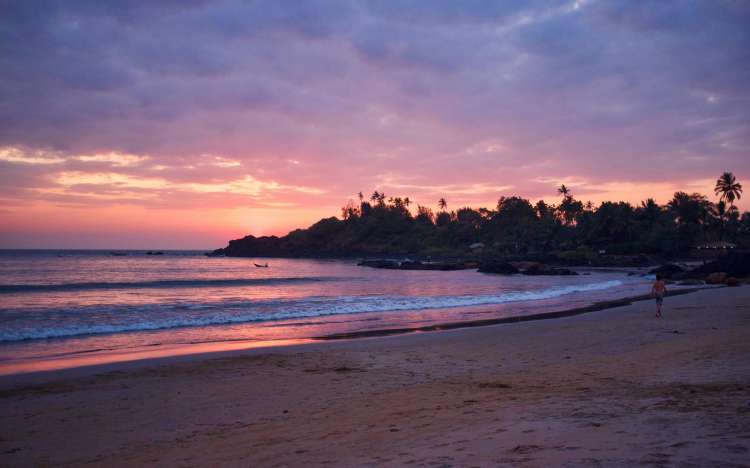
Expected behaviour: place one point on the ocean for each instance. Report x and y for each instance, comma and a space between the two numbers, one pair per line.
59, 305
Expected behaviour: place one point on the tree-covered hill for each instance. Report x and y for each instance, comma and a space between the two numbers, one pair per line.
569, 229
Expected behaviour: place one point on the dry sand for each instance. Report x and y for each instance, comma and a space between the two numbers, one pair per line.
613, 388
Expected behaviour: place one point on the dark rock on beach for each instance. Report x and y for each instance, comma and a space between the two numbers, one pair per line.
417, 265
735, 264
717, 278
526, 268
690, 282
617, 261
387, 264
667, 271
498, 267
441, 266
539, 269
732, 281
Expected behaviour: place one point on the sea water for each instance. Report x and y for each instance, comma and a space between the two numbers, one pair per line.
60, 303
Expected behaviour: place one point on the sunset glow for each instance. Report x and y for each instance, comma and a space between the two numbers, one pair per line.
170, 125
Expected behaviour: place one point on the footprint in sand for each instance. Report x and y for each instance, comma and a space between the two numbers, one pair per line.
524, 449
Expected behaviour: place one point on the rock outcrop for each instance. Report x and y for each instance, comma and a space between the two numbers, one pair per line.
417, 265
717, 278
540, 269
497, 266
735, 264
667, 270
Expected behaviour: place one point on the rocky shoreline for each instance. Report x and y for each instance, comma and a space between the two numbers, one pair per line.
729, 269
509, 268
388, 264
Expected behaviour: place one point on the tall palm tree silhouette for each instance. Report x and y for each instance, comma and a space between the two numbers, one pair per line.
563, 190
442, 204
728, 187
720, 211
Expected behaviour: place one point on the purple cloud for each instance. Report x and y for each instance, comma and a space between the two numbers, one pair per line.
349, 96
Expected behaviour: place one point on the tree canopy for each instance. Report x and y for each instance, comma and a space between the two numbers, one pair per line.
386, 225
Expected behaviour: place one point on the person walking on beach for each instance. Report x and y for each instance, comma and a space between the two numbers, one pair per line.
658, 290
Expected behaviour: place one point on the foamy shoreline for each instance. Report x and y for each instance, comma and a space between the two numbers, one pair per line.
77, 362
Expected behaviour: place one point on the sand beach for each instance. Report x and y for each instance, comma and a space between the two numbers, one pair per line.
615, 387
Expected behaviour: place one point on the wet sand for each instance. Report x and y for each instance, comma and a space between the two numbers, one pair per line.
614, 387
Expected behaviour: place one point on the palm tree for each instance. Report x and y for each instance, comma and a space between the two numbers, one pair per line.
361, 197
720, 211
570, 208
442, 204
728, 187
689, 209
564, 191
649, 210
378, 197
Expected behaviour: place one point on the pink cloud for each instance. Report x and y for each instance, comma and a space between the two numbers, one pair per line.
289, 109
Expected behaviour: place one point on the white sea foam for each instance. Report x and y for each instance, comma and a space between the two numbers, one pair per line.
122, 318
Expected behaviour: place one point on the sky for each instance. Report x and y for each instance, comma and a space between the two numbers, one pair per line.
183, 124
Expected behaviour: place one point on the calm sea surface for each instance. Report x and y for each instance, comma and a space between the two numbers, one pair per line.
61, 303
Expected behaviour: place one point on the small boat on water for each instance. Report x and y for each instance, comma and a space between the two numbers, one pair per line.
261, 266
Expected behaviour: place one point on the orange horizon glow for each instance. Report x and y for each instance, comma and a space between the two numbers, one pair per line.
111, 224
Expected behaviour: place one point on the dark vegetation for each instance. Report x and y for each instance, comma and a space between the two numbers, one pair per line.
567, 233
